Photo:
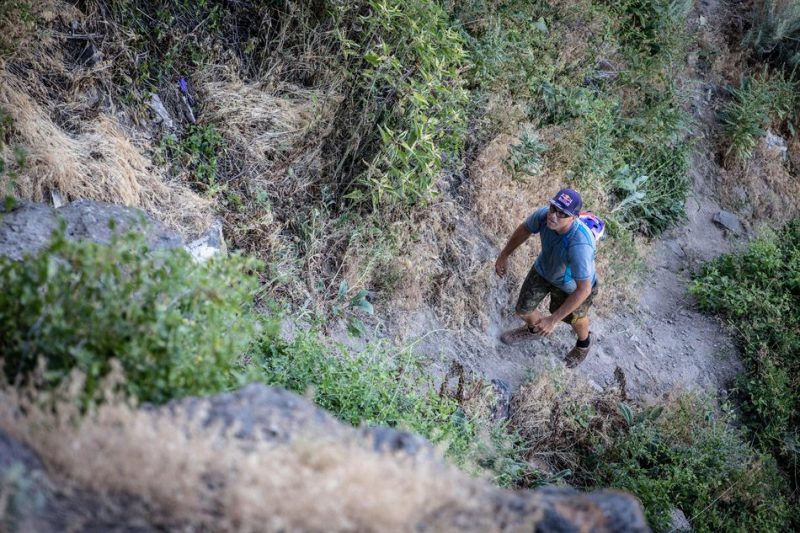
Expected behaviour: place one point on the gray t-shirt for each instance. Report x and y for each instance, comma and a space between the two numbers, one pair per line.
564, 258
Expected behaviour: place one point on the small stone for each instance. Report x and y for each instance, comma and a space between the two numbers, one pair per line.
678, 521
161, 112
776, 142
209, 245
728, 221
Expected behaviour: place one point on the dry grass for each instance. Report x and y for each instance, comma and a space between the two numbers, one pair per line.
308, 485
560, 415
74, 142
765, 182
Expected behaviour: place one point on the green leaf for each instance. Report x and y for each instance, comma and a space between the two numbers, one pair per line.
372, 58
343, 287
626, 412
355, 327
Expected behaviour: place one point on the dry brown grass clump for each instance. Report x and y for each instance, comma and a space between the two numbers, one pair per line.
561, 415
189, 475
74, 143
764, 184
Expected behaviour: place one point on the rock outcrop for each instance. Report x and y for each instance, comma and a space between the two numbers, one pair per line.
27, 228
275, 416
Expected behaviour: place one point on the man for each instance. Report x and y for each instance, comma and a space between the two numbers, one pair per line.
565, 270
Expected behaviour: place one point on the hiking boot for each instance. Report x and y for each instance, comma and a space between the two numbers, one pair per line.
577, 355
515, 336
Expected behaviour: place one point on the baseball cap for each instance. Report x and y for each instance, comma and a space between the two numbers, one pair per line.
569, 201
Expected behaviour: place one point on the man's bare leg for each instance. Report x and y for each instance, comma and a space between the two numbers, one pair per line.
581, 328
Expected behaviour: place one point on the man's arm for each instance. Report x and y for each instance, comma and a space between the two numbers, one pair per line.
519, 236
546, 325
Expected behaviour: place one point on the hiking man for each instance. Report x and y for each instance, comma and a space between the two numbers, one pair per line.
564, 269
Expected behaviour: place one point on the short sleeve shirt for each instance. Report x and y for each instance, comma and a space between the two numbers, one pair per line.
564, 258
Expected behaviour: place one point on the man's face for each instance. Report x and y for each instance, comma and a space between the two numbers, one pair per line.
558, 220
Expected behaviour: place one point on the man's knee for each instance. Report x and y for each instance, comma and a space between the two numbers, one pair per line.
530, 317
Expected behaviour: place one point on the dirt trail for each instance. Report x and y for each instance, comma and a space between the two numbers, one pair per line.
660, 341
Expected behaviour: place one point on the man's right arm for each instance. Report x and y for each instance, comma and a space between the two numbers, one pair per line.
519, 236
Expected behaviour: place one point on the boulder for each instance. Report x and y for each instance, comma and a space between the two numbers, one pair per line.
28, 227
259, 412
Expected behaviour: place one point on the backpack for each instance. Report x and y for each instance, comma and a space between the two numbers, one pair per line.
595, 225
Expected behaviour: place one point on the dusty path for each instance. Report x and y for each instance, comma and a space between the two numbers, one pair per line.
660, 341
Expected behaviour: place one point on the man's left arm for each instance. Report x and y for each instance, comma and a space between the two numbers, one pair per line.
546, 325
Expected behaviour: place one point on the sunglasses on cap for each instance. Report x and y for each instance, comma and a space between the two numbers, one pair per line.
559, 213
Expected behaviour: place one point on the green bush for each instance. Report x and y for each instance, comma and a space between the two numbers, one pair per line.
760, 102
692, 459
758, 291
176, 327
384, 386
181, 328
404, 61
197, 153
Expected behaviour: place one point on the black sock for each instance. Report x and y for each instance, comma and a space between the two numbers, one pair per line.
584, 343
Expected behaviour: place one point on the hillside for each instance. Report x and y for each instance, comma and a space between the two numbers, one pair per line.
367, 161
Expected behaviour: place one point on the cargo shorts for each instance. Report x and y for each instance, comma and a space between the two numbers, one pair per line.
535, 288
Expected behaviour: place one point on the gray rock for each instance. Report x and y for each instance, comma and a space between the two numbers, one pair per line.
388, 440
678, 521
728, 221
28, 227
777, 143
210, 244
258, 412
162, 115
502, 394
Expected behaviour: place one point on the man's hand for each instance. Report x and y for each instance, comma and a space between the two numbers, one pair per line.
501, 265
545, 325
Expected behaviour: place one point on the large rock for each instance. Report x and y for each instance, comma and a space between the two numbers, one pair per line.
258, 412
28, 227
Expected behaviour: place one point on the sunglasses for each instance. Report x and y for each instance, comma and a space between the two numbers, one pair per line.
559, 213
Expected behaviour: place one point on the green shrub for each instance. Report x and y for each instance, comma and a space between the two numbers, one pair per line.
197, 153
384, 386
758, 291
176, 327
180, 328
775, 31
760, 102
404, 59
692, 459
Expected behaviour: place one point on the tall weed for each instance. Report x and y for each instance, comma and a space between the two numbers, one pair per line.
758, 103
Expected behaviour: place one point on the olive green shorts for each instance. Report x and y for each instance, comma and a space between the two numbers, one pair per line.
535, 288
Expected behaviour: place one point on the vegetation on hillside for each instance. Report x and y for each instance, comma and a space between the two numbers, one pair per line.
176, 328
323, 133
684, 452
758, 292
